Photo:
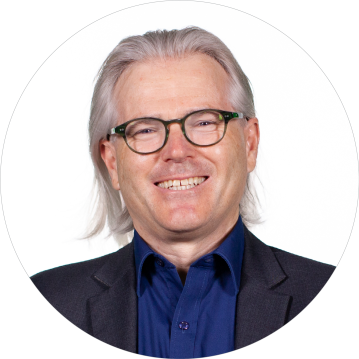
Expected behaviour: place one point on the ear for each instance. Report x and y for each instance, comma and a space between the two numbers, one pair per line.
108, 154
252, 135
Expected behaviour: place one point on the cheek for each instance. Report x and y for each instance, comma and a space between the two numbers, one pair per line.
234, 168
133, 170
233, 155
239, 150
126, 167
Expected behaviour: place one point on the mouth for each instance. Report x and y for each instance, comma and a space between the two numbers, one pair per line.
180, 185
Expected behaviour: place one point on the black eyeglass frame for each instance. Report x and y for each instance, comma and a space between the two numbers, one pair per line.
121, 129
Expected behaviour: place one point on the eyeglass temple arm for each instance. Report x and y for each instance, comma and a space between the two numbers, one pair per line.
229, 115
117, 130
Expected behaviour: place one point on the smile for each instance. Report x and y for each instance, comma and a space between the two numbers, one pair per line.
179, 185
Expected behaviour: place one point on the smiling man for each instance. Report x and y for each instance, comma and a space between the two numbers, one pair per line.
174, 138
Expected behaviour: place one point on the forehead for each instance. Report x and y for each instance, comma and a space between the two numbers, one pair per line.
171, 88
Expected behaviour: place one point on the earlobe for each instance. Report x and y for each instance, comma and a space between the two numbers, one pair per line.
252, 142
108, 154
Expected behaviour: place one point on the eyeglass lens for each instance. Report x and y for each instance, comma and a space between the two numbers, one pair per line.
202, 128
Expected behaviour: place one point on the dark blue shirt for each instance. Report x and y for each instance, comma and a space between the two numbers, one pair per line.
194, 320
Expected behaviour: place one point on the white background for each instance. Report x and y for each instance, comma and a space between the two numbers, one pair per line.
32, 31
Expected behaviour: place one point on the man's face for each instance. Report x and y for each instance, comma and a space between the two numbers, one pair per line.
167, 90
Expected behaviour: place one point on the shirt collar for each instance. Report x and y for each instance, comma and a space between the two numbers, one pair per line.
231, 250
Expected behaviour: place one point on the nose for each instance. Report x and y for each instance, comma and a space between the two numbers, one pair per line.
177, 147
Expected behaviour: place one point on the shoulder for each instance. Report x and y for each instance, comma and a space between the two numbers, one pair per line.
69, 287
284, 273
67, 276
300, 267
305, 278
270, 261
303, 273
74, 275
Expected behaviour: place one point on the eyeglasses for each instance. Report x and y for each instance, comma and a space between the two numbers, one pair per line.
201, 128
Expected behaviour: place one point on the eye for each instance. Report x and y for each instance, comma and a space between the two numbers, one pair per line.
205, 123
144, 131
143, 128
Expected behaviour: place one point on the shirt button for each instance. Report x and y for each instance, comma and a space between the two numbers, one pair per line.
160, 262
183, 325
208, 260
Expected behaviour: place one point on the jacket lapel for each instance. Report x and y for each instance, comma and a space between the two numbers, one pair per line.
114, 311
260, 309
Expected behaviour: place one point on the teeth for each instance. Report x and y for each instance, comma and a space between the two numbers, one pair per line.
179, 185
184, 182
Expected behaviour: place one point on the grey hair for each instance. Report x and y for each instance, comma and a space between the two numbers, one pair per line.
160, 44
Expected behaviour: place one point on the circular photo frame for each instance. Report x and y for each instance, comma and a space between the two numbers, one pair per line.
308, 193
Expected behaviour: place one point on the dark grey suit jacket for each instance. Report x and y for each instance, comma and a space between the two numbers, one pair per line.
99, 296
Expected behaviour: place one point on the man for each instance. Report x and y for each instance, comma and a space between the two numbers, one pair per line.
173, 135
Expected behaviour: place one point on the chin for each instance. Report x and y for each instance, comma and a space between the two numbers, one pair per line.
183, 224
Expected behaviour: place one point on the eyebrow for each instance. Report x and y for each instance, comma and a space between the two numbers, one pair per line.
159, 116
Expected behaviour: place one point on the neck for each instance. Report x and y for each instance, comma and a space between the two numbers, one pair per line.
183, 252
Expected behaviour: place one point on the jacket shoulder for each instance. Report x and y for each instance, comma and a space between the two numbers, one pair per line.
68, 287
302, 266
305, 278
284, 273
